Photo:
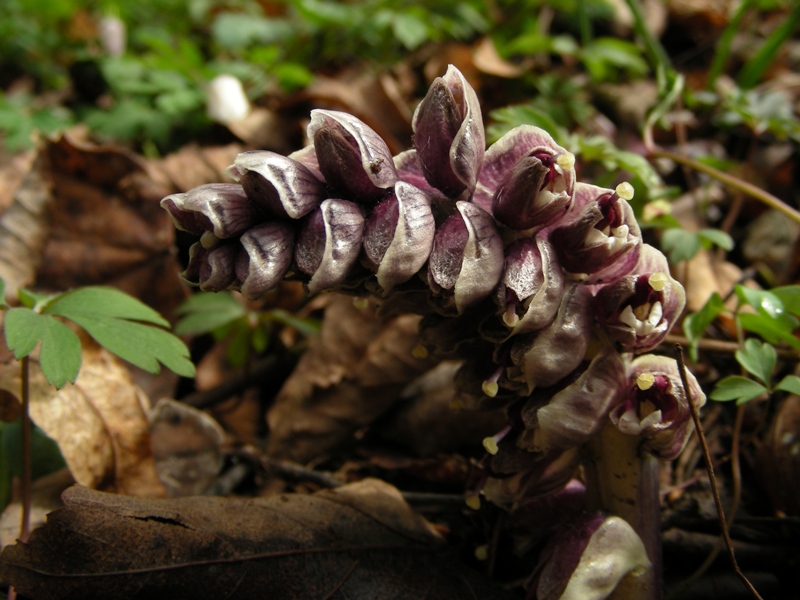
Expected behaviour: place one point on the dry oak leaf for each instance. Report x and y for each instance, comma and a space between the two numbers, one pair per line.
358, 541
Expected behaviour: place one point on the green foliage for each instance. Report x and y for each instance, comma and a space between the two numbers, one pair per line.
21, 118
680, 244
118, 322
224, 317
772, 315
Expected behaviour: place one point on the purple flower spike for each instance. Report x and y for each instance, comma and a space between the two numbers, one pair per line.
579, 411
532, 285
655, 406
219, 208
399, 235
329, 243
588, 558
212, 269
601, 241
354, 160
543, 358
637, 311
509, 182
467, 256
449, 136
279, 185
265, 257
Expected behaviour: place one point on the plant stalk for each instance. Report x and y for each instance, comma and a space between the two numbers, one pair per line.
27, 476
623, 481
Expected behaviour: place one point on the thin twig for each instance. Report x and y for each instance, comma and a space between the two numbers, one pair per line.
27, 476
738, 184
712, 479
726, 347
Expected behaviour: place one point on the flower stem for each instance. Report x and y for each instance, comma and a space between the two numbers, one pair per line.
623, 481
25, 527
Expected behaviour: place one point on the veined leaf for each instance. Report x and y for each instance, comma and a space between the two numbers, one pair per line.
99, 302
679, 244
790, 383
60, 355
205, 312
773, 330
758, 359
142, 345
761, 300
716, 237
696, 323
789, 295
736, 387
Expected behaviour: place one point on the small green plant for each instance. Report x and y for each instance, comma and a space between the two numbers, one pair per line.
772, 315
224, 317
121, 324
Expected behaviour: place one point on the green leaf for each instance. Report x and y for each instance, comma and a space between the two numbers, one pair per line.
789, 296
764, 56
99, 302
410, 30
60, 356
758, 359
717, 238
671, 86
736, 387
505, 119
773, 330
205, 312
790, 383
307, 327
3, 303
695, 324
679, 244
761, 300
125, 326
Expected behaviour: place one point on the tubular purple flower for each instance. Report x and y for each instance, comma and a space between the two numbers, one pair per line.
638, 310
264, 258
353, 159
655, 407
588, 558
329, 243
221, 209
399, 235
543, 358
531, 288
212, 269
576, 413
527, 179
601, 240
466, 260
280, 186
449, 136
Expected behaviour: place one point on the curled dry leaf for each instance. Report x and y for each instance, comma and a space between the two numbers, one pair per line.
358, 541
100, 423
352, 373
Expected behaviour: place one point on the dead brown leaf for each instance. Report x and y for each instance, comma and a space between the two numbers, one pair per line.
358, 541
100, 423
352, 373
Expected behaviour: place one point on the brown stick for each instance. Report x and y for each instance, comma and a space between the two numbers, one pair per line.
711, 477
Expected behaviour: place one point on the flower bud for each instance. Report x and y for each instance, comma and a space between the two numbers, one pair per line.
601, 241
638, 310
588, 558
576, 413
226, 102
527, 179
212, 269
449, 136
399, 235
280, 186
466, 260
547, 356
265, 257
531, 288
655, 406
220, 208
329, 243
354, 160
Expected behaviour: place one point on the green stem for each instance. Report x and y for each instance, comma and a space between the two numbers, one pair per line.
731, 181
623, 481
25, 527
658, 56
